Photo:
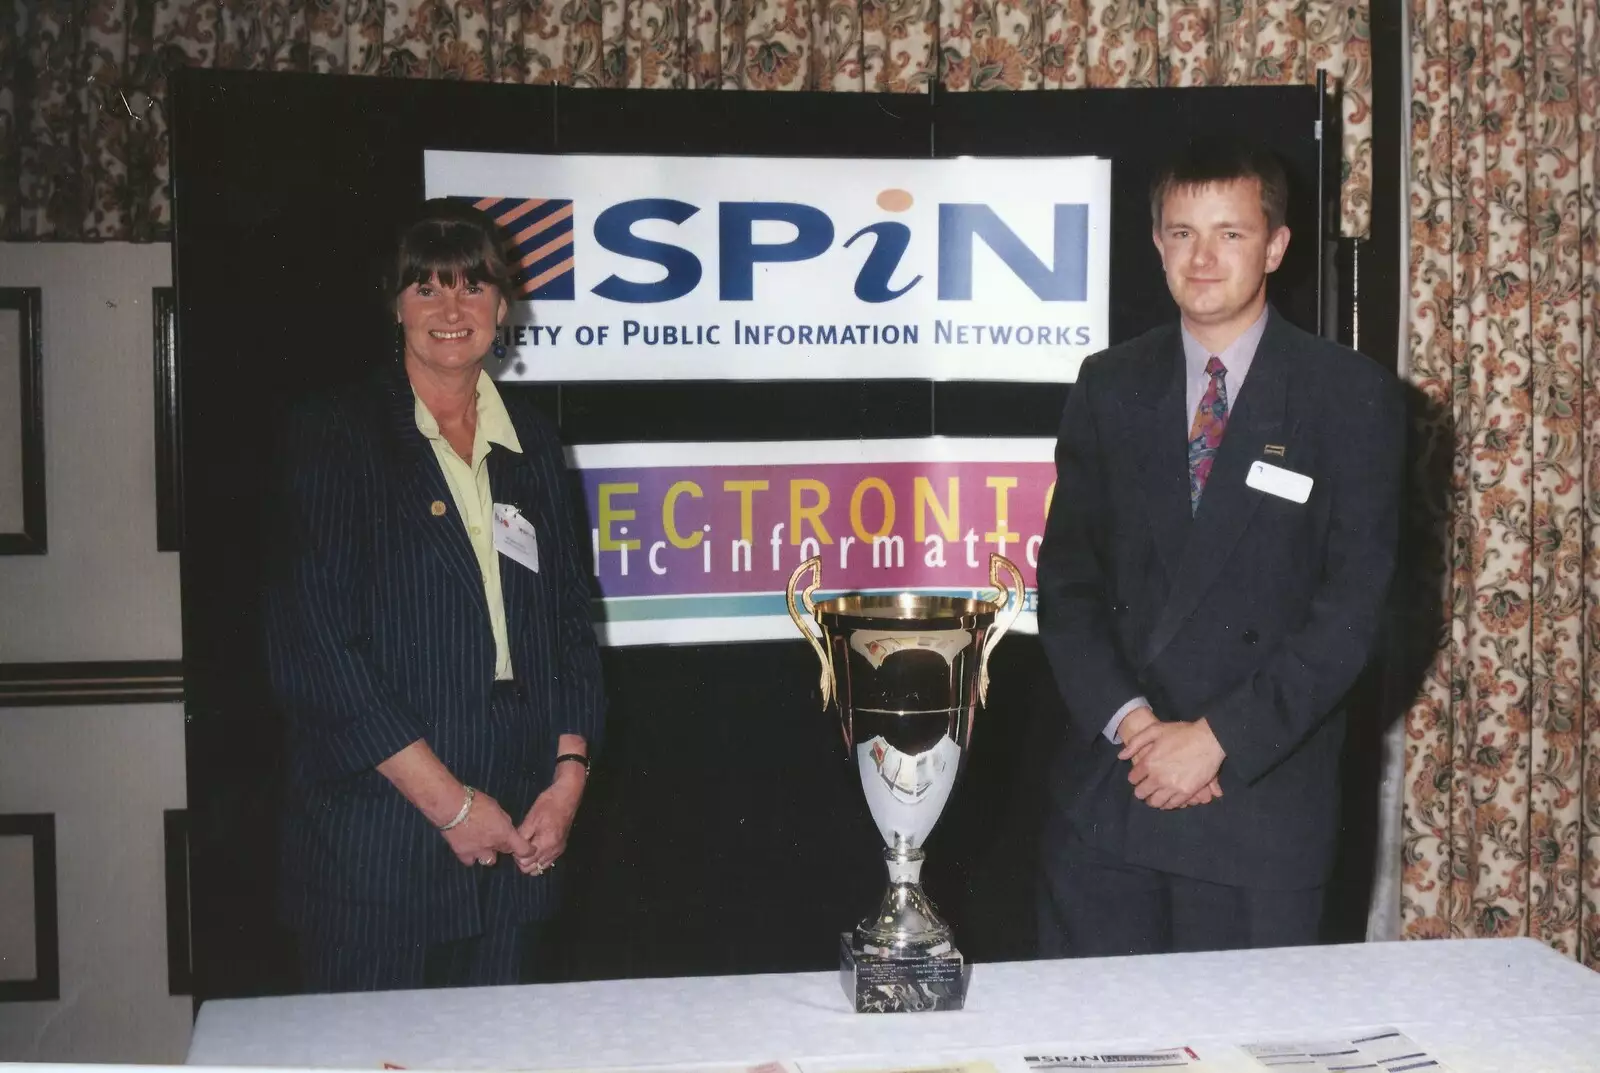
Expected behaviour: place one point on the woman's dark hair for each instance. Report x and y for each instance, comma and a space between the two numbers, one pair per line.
1221, 160
447, 237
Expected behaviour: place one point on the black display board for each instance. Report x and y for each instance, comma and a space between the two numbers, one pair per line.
722, 830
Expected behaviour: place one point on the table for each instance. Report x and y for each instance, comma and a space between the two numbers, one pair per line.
1481, 1006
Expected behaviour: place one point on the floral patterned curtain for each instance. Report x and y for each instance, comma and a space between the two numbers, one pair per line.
1501, 821
83, 123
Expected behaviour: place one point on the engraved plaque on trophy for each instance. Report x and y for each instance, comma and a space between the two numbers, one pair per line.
907, 672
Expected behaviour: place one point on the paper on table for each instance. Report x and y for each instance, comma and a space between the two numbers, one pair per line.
1036, 1060
1382, 1050
1130, 1060
1162, 1058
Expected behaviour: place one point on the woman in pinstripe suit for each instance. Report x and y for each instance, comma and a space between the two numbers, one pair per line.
430, 644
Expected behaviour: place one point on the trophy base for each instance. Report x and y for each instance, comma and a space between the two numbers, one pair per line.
876, 984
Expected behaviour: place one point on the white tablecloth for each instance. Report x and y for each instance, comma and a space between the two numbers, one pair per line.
1481, 1006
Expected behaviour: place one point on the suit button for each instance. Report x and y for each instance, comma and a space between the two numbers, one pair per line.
1251, 637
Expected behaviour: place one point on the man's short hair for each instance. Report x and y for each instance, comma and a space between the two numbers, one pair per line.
1222, 160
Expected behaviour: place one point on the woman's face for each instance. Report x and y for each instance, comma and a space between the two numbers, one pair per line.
449, 328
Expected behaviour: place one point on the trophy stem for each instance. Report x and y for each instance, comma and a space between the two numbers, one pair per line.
906, 925
905, 865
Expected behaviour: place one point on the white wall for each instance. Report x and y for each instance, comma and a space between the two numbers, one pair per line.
107, 773
103, 592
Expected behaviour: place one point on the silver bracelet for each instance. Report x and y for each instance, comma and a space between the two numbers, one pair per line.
466, 807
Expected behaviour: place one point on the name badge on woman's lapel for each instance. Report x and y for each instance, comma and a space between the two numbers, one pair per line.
514, 536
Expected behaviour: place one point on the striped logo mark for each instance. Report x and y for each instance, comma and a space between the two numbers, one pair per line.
541, 243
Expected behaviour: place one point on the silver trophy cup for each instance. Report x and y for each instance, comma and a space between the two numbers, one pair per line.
907, 672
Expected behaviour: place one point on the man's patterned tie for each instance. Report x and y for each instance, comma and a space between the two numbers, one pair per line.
1205, 436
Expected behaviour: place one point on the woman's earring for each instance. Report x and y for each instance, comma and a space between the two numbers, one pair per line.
499, 347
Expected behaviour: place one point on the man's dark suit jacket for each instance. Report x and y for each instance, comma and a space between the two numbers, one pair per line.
1257, 613
378, 634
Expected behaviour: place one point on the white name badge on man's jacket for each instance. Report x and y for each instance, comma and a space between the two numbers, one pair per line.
1280, 482
514, 536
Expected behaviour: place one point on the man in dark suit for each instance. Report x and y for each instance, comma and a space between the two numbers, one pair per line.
1219, 548
430, 643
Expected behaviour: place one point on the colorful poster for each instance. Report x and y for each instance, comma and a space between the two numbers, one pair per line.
696, 542
757, 268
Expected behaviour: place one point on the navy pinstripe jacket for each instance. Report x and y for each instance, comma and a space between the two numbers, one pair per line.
378, 634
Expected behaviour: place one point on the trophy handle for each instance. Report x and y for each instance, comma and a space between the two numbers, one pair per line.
1001, 570
813, 564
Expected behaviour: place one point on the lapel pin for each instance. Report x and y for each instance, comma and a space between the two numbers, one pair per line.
437, 508
1273, 449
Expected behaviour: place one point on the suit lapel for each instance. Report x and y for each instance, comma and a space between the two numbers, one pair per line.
1226, 507
1156, 440
422, 485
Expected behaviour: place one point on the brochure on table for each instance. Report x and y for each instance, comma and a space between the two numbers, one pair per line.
1378, 1050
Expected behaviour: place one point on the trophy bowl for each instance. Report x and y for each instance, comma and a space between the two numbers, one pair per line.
907, 672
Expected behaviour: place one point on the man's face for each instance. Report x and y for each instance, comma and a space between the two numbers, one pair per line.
1217, 249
